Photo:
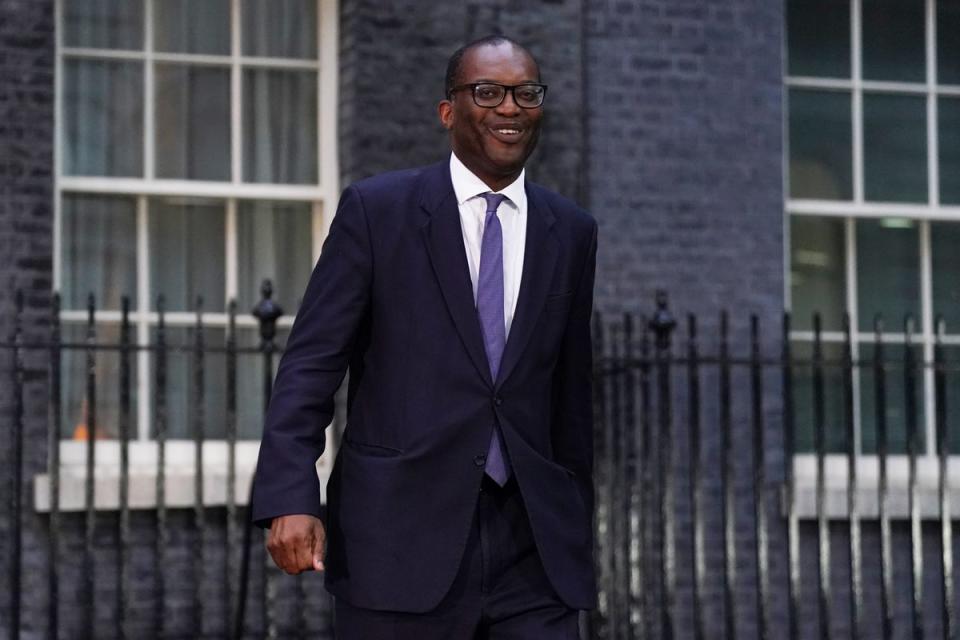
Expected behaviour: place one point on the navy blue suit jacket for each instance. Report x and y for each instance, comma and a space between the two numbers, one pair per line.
391, 299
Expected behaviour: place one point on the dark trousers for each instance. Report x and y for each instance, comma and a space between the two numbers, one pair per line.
500, 592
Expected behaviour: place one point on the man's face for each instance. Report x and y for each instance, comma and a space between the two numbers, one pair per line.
493, 142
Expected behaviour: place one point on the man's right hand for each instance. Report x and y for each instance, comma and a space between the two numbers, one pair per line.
296, 542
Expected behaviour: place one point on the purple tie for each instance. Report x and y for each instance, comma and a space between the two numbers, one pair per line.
490, 310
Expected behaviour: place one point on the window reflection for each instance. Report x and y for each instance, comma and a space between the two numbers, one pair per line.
888, 272
817, 282
895, 148
820, 142
187, 252
99, 250
102, 118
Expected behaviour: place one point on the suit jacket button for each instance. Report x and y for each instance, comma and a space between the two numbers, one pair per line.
480, 460
497, 400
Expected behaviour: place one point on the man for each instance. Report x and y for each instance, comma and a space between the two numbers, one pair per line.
459, 296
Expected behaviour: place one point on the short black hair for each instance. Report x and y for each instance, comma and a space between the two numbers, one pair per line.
456, 60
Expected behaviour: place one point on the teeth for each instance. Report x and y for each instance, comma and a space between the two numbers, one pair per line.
508, 131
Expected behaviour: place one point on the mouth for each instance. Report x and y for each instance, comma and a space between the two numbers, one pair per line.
507, 133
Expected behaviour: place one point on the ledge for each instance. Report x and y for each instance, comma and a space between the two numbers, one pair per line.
836, 487
180, 474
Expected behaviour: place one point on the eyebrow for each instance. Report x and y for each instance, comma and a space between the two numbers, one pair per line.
498, 82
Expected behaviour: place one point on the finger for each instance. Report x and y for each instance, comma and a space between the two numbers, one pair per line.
274, 549
318, 541
279, 555
281, 552
302, 555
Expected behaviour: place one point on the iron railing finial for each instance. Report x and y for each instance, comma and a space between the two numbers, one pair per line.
662, 323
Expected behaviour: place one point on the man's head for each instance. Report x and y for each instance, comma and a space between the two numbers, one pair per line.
493, 141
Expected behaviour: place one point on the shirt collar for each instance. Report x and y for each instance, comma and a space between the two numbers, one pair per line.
467, 185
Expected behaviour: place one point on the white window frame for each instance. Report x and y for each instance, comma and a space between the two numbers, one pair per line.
805, 465
179, 467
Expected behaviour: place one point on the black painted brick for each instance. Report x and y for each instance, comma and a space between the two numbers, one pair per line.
26, 216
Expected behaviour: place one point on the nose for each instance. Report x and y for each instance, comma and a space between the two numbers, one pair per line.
509, 104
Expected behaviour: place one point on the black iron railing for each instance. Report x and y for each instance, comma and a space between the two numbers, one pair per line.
700, 531
700, 534
229, 524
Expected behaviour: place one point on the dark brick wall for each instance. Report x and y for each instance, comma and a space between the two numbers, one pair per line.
685, 157
393, 60
663, 118
686, 153
26, 216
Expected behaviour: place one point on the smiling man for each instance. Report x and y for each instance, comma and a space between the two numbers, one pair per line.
459, 296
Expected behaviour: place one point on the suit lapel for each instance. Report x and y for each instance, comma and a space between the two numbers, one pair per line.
444, 239
540, 253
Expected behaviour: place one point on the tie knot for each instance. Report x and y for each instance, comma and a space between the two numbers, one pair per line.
493, 201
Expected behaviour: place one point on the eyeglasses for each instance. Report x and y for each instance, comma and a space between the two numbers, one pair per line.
490, 94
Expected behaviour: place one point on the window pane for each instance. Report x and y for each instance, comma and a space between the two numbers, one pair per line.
280, 126
193, 122
948, 45
817, 282
187, 249
803, 400
818, 38
188, 26
821, 145
948, 110
944, 241
893, 40
103, 118
99, 250
895, 148
888, 272
103, 24
274, 241
74, 418
280, 28
894, 390
183, 400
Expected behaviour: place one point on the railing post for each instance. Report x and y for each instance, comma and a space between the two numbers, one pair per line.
697, 554
16, 469
231, 624
55, 414
662, 324
123, 522
266, 312
597, 620
948, 613
162, 538
90, 494
728, 492
792, 550
198, 418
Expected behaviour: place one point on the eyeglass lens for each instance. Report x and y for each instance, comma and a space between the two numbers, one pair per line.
525, 95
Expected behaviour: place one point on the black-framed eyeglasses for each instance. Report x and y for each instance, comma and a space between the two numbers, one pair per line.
528, 95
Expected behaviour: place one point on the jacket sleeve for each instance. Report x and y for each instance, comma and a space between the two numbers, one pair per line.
573, 396
313, 367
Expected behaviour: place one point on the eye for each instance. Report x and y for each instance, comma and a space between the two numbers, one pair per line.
528, 94
487, 91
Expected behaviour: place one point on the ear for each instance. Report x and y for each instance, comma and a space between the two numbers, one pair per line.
445, 111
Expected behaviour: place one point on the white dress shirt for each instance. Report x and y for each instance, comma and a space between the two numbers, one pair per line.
469, 190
